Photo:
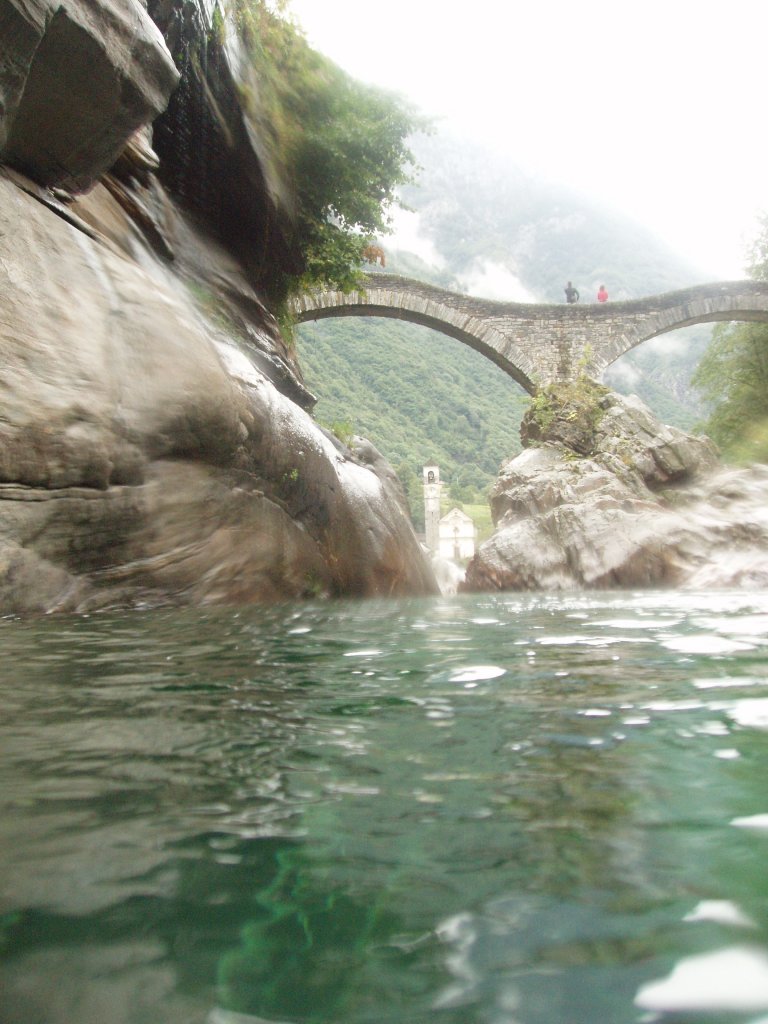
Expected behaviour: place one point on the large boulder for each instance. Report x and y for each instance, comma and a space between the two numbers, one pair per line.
149, 449
607, 496
77, 79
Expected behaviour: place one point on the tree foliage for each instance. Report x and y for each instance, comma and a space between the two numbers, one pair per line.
733, 376
758, 253
342, 143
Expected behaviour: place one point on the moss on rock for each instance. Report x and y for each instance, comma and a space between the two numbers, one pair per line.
568, 414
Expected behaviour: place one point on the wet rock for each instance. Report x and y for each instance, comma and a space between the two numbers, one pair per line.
213, 142
648, 506
145, 457
155, 443
660, 454
76, 81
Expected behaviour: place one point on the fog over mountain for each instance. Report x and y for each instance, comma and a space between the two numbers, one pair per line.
485, 217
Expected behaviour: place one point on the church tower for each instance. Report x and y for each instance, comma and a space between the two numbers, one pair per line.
432, 487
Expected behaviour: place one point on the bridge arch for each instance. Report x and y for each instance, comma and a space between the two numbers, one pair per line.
399, 298
639, 320
538, 344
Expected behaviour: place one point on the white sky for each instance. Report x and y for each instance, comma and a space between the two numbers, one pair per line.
657, 107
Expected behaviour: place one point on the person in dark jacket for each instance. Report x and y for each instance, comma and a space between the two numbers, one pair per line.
571, 293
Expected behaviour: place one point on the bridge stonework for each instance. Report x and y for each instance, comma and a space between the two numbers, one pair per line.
541, 344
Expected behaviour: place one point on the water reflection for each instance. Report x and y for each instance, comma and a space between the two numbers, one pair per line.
496, 809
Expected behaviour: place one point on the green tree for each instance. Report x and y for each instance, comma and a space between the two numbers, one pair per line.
418, 396
733, 376
758, 252
343, 144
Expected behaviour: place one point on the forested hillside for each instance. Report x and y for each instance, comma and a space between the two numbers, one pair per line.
491, 230
419, 396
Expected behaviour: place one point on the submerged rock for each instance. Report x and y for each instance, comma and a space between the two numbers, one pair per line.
613, 498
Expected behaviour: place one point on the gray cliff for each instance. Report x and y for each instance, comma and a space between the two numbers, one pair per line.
156, 438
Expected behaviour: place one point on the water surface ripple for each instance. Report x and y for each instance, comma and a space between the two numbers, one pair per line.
538, 809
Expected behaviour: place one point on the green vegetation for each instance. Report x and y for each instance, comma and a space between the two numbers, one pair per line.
491, 220
569, 413
419, 397
542, 412
733, 378
343, 430
342, 143
479, 514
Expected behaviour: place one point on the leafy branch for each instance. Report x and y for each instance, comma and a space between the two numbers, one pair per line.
343, 144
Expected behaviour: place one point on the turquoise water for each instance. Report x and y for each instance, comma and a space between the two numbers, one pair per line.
480, 810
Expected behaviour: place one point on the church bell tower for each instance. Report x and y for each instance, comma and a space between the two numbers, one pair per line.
432, 487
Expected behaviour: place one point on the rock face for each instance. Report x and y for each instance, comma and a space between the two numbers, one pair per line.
155, 443
211, 141
145, 453
77, 79
610, 497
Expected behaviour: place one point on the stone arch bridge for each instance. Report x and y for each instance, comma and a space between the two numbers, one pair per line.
541, 344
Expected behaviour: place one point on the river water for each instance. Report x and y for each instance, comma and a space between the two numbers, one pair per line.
540, 809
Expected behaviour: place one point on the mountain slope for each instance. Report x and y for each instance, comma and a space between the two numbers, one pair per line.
418, 395
476, 207
489, 229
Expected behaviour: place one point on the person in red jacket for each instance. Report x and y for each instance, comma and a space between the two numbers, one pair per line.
602, 295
